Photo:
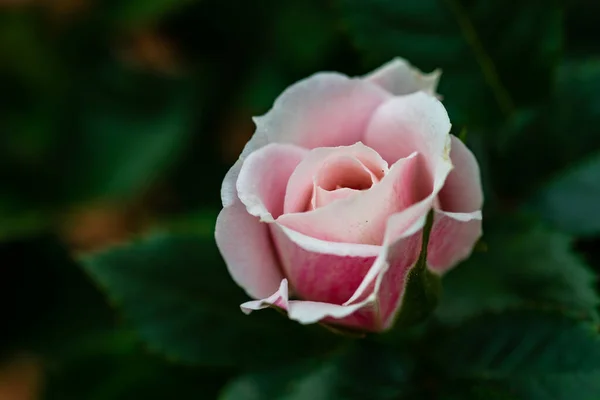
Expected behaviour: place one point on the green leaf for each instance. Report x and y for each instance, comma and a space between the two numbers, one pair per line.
519, 344
537, 355
133, 127
571, 201
480, 46
177, 294
366, 371
524, 265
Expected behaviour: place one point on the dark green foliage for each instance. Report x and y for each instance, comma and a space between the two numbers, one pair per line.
177, 294
534, 354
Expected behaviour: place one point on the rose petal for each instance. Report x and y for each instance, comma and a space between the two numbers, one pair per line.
462, 191
263, 178
452, 239
457, 225
244, 242
326, 109
300, 185
408, 124
228, 190
322, 197
245, 245
343, 172
370, 313
318, 276
305, 312
400, 78
362, 218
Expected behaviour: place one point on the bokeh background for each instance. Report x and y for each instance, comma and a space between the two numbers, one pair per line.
121, 117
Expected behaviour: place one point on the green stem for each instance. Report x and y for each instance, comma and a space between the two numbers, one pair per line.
422, 263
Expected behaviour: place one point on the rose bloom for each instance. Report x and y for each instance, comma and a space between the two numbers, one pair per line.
328, 200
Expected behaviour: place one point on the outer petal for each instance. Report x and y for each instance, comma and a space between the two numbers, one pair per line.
263, 179
228, 190
326, 109
462, 191
408, 124
305, 312
331, 272
245, 245
400, 78
452, 239
244, 242
325, 276
457, 225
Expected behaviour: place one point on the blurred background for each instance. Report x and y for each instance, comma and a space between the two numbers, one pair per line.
121, 117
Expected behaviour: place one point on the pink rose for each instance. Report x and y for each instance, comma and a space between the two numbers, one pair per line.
329, 198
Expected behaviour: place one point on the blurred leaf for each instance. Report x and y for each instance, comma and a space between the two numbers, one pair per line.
542, 142
571, 202
25, 53
480, 46
366, 371
178, 296
110, 137
536, 354
134, 126
520, 344
524, 264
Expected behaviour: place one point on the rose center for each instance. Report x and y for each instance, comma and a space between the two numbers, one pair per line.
344, 172
338, 178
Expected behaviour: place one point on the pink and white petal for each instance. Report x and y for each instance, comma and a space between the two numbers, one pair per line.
398, 251
399, 77
245, 245
462, 192
329, 275
323, 110
452, 239
322, 197
362, 218
343, 171
228, 188
300, 185
263, 178
309, 312
402, 257
277, 299
407, 124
